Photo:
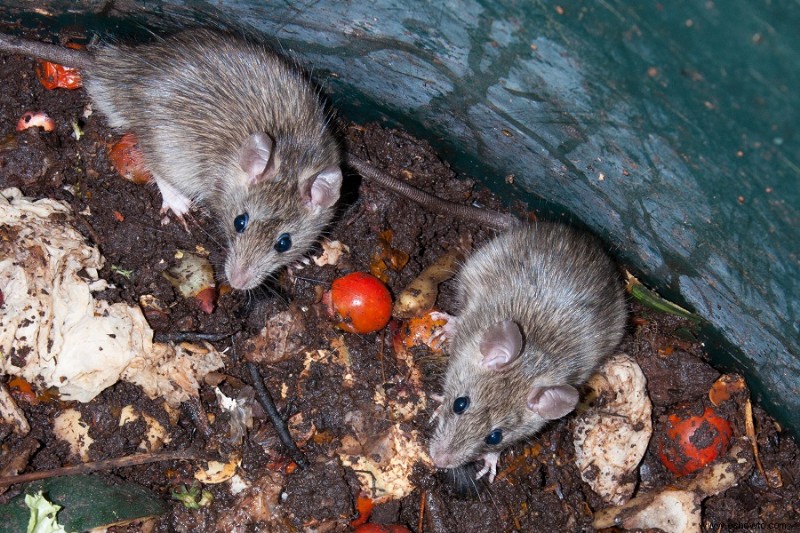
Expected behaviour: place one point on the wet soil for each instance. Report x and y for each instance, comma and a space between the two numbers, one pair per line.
538, 487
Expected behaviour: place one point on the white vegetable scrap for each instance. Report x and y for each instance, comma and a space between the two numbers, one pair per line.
384, 469
43, 514
69, 427
11, 414
677, 509
52, 330
332, 251
156, 436
383, 459
611, 436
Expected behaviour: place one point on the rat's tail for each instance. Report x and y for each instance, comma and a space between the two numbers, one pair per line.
50, 52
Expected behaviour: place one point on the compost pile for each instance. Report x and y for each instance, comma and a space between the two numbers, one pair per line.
357, 404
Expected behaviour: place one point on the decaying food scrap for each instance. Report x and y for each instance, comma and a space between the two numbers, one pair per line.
55, 334
612, 435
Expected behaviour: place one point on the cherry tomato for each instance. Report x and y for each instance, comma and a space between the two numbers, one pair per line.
691, 440
55, 76
127, 160
381, 528
362, 301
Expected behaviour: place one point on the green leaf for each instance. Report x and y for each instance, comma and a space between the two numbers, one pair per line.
86, 501
652, 300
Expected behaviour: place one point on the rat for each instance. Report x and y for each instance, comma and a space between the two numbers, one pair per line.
224, 122
541, 306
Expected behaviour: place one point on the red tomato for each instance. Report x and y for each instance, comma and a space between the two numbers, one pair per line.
362, 301
691, 440
55, 76
127, 160
381, 528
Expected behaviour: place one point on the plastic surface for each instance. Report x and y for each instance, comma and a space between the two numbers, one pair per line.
668, 129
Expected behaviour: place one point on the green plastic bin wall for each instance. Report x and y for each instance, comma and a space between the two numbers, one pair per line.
669, 129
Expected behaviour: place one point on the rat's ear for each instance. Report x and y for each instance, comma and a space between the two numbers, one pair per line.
256, 157
552, 402
500, 345
325, 187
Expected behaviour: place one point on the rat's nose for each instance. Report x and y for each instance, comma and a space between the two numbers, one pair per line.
440, 457
240, 279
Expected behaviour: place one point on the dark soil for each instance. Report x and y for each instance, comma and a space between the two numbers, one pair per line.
538, 487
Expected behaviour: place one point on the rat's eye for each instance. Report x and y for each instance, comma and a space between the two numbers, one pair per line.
495, 437
460, 405
283, 243
240, 222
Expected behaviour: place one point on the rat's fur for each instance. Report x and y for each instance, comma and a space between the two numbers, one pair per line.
561, 289
192, 100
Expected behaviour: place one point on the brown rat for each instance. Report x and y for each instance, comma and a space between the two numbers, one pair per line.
541, 306
223, 121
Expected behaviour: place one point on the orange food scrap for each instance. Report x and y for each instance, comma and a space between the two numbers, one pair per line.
21, 390
725, 387
364, 506
55, 76
387, 257
127, 160
421, 331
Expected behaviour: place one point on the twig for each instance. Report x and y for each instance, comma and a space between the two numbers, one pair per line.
281, 428
107, 464
421, 511
189, 336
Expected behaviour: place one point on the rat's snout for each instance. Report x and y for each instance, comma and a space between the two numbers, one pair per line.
240, 277
441, 457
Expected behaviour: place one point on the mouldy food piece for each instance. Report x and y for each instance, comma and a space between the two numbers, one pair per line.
383, 458
693, 435
156, 435
52, 330
677, 508
612, 435
281, 338
385, 465
69, 427
172, 372
418, 331
193, 276
219, 472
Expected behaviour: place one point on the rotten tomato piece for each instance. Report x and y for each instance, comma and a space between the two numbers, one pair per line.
693, 437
